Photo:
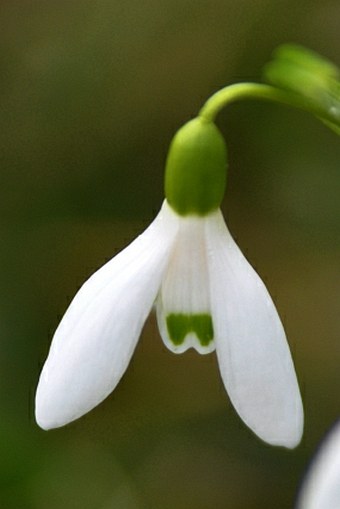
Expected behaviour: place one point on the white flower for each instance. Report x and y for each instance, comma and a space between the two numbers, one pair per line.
321, 488
207, 296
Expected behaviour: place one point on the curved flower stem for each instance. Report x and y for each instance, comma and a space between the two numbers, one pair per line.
248, 91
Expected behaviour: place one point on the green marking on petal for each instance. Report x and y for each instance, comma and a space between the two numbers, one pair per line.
181, 324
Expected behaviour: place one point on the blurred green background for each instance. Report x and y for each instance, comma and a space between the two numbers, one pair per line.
91, 93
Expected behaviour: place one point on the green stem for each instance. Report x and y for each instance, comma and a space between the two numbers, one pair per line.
241, 91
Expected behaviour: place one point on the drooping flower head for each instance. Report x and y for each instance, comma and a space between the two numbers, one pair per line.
207, 295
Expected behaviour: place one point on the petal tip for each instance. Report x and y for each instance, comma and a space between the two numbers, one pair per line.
48, 419
49, 415
289, 442
288, 438
43, 421
44, 424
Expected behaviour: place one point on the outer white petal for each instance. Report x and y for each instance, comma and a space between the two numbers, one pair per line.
321, 488
95, 340
185, 287
253, 354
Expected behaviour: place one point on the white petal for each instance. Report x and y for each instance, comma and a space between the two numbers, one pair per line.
95, 340
184, 295
253, 354
321, 488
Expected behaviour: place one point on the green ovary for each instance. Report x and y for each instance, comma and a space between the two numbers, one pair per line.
195, 175
181, 324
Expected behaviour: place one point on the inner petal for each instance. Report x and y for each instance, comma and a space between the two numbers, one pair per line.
183, 305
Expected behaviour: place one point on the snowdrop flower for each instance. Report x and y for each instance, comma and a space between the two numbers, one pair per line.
321, 488
207, 297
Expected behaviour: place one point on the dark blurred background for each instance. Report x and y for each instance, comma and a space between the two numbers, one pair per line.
91, 93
